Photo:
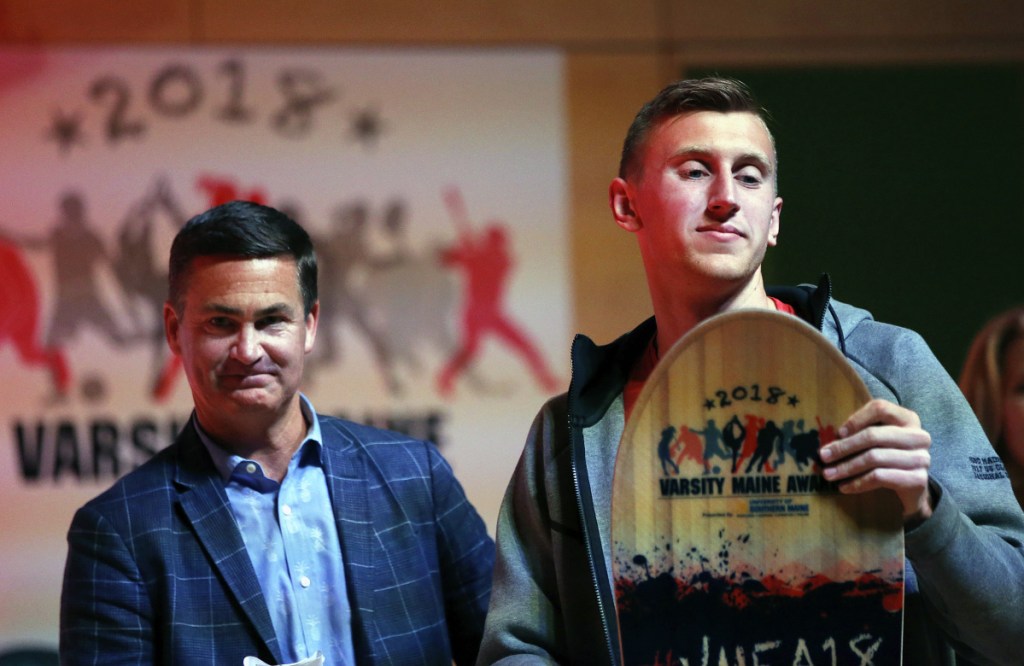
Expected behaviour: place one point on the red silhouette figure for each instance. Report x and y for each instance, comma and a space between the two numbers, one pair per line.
486, 263
219, 191
754, 426
826, 433
19, 317
688, 446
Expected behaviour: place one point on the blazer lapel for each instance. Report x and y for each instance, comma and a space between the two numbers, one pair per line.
346, 471
204, 502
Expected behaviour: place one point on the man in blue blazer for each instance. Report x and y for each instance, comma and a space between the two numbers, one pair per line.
266, 530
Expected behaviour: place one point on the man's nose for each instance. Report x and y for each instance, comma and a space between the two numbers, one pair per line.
722, 199
247, 347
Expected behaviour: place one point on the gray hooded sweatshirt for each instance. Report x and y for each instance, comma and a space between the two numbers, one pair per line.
552, 600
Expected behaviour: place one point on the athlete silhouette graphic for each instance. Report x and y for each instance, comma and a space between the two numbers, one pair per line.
143, 280
768, 437
712, 448
78, 257
78, 253
346, 255
19, 318
664, 450
733, 435
485, 260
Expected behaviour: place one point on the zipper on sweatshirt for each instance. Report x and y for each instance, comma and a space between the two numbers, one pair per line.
590, 552
574, 460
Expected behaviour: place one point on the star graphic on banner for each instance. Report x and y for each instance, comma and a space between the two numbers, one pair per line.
66, 130
709, 404
367, 126
793, 400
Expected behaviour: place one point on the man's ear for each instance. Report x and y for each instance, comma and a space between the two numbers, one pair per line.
171, 328
312, 321
773, 229
620, 198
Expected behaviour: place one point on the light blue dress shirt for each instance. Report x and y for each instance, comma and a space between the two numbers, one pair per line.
292, 539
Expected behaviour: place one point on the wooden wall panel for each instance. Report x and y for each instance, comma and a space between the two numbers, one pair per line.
439, 21
94, 21
603, 95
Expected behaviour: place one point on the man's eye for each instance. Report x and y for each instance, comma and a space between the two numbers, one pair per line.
750, 177
220, 324
266, 322
693, 173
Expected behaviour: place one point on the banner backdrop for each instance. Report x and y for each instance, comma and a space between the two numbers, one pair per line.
433, 183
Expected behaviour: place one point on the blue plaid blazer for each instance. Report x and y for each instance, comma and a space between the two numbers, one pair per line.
157, 571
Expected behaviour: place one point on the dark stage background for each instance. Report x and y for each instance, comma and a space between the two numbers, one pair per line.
905, 184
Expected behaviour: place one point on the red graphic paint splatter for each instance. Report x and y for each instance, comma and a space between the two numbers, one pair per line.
714, 611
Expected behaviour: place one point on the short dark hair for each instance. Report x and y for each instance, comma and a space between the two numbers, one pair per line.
712, 93
242, 229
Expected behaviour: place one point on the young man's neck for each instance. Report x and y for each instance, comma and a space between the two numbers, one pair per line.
678, 313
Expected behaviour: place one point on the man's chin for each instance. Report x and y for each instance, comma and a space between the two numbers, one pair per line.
253, 398
730, 269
